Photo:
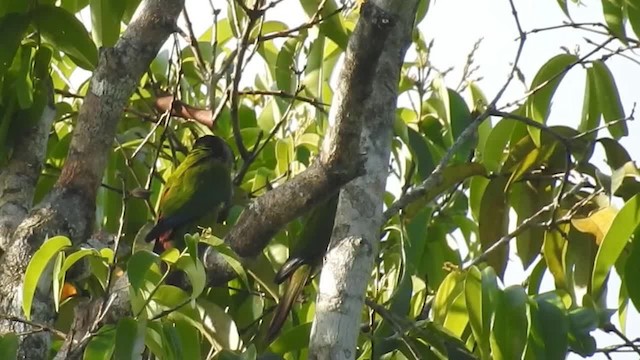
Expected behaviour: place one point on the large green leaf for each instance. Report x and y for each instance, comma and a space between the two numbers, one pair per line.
616, 154
481, 290
9, 346
294, 339
613, 11
528, 198
551, 325
544, 85
49, 249
493, 223
609, 99
633, 10
553, 251
129, 339
615, 240
590, 107
195, 274
105, 20
632, 272
284, 71
495, 144
138, 265
102, 344
67, 34
511, 326
332, 27
12, 28
421, 155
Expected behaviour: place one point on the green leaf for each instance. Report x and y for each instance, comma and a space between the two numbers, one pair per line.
76, 256
171, 342
496, 142
544, 85
609, 99
211, 320
450, 289
615, 240
633, 10
510, 327
617, 155
67, 34
190, 340
581, 322
129, 342
49, 249
153, 339
460, 119
58, 280
195, 273
554, 326
421, 12
563, 7
420, 154
332, 27
632, 272
451, 176
590, 107
527, 198
480, 294
613, 11
9, 346
138, 265
101, 345
493, 223
12, 28
554, 249
285, 154
73, 6
294, 339
105, 21
284, 72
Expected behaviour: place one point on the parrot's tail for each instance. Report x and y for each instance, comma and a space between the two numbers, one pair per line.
294, 287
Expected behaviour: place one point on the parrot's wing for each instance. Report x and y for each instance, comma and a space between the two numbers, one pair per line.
198, 186
288, 268
296, 283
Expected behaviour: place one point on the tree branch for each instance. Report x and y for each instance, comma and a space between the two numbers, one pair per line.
337, 163
18, 180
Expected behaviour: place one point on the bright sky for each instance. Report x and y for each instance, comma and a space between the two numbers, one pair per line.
456, 25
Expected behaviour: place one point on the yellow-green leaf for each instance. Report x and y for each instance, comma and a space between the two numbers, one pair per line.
49, 249
67, 34
614, 241
609, 99
493, 223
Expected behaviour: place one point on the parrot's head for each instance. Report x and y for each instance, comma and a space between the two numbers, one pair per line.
217, 147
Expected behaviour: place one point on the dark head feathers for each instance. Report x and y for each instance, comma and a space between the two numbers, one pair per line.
217, 146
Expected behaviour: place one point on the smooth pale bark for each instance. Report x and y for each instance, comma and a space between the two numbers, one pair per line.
70, 207
354, 245
19, 178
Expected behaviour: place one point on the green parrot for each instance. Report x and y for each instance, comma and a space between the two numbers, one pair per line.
194, 193
304, 261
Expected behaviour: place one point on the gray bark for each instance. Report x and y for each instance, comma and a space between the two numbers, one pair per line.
354, 245
70, 208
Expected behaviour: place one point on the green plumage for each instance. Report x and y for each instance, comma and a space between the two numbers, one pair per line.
194, 193
304, 261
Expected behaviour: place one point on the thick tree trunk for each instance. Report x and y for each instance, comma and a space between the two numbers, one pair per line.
349, 262
70, 208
